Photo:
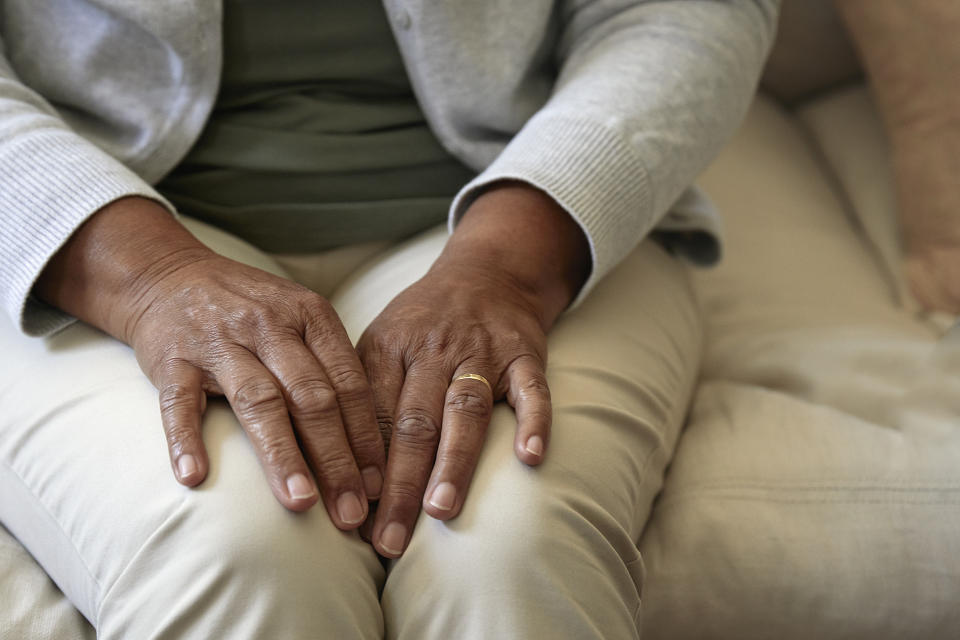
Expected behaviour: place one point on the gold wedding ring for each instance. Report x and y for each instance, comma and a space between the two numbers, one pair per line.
474, 376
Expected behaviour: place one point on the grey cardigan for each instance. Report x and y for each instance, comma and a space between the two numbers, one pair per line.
611, 106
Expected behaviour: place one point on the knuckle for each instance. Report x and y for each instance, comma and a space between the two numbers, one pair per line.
535, 386
312, 396
456, 461
468, 403
365, 440
180, 436
349, 383
255, 317
176, 396
513, 338
385, 424
405, 491
541, 414
316, 312
369, 452
384, 339
315, 305
257, 396
338, 467
417, 429
482, 341
437, 342
385, 420
172, 359
279, 452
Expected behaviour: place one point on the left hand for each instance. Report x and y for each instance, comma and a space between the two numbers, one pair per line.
484, 308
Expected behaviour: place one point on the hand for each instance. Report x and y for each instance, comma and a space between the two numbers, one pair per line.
911, 53
484, 308
203, 324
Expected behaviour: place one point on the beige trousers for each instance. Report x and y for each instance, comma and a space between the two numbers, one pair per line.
549, 552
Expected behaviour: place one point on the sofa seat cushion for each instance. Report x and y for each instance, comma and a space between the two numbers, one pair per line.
32, 605
816, 489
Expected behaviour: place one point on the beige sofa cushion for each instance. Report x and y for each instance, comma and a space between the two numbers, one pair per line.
31, 606
816, 491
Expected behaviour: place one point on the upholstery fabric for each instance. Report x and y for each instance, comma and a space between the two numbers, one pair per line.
815, 491
33, 608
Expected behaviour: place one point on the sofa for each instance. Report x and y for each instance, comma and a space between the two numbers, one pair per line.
815, 490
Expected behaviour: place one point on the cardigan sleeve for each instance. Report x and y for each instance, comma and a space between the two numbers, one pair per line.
51, 181
647, 93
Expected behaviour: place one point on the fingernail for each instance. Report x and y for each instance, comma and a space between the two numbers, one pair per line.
535, 445
349, 508
393, 538
299, 487
187, 466
372, 482
443, 496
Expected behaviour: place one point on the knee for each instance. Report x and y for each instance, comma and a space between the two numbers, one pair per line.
277, 551
529, 535
526, 568
222, 567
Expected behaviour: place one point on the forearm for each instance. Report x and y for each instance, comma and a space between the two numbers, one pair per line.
516, 229
107, 266
647, 93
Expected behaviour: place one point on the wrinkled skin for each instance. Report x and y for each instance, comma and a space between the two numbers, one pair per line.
431, 333
318, 412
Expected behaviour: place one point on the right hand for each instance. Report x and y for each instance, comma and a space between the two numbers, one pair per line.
203, 324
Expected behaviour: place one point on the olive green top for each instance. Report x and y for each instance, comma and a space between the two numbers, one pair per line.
316, 139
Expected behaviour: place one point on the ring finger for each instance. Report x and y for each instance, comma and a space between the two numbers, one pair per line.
466, 416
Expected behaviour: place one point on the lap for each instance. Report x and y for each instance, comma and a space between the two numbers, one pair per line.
552, 549
88, 489
87, 484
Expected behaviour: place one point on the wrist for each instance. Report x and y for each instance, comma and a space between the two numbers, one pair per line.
522, 234
104, 271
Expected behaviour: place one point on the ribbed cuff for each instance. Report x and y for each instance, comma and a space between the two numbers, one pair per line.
591, 172
51, 181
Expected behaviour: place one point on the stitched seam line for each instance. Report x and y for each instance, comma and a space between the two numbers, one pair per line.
815, 485
766, 496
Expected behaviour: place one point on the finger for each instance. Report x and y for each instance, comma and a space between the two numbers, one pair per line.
182, 402
413, 447
258, 402
385, 372
529, 395
313, 404
466, 415
328, 341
